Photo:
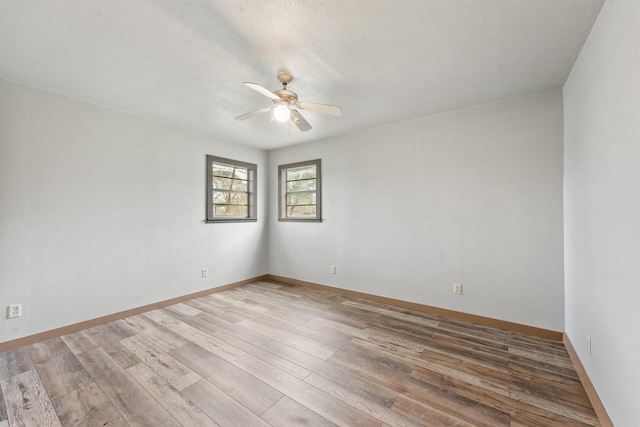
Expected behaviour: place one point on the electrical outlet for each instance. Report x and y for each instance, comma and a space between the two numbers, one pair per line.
14, 310
589, 343
205, 272
333, 269
457, 288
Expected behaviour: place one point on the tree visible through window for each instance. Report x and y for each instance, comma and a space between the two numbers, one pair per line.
300, 197
231, 190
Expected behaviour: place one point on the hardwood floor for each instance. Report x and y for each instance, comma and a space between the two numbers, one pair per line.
270, 354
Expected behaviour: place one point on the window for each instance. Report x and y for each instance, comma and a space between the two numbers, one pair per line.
299, 192
231, 190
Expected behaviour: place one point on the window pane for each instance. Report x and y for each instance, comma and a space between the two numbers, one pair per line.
301, 199
303, 172
238, 211
225, 198
239, 199
229, 172
220, 197
235, 211
222, 183
306, 185
222, 170
239, 185
229, 184
240, 174
301, 211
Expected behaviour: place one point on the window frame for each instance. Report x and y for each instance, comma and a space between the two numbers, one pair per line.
282, 193
252, 190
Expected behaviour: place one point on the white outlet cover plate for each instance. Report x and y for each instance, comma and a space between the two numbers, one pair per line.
15, 310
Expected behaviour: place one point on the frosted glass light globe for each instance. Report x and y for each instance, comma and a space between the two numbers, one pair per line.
281, 113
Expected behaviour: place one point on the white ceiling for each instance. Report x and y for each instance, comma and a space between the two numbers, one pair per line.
383, 61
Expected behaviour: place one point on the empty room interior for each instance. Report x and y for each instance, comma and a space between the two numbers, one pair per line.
385, 213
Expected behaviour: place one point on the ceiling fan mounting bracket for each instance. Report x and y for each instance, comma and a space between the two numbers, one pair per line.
285, 78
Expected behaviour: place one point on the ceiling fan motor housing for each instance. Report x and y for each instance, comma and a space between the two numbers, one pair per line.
287, 95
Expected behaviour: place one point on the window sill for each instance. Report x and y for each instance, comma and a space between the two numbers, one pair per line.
213, 221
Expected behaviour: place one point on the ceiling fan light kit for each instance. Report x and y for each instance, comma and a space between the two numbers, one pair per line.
285, 103
281, 112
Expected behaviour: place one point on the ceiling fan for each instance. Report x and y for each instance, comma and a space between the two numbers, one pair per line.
285, 102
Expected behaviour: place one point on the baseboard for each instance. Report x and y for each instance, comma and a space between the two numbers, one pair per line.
472, 318
69, 329
603, 417
486, 321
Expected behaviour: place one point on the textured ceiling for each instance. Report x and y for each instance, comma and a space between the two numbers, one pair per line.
383, 61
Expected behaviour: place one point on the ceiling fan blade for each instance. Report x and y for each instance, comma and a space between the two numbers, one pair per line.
299, 121
265, 92
332, 110
254, 113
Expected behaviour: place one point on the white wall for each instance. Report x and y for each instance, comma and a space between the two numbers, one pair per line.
602, 208
473, 196
102, 211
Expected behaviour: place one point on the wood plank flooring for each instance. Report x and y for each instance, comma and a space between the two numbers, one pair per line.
271, 354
